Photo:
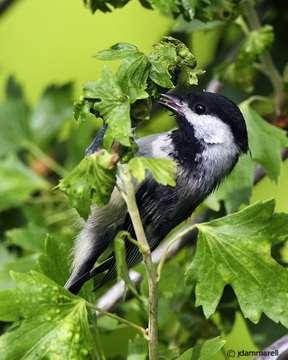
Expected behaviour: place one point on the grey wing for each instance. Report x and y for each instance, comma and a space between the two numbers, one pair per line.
97, 233
101, 227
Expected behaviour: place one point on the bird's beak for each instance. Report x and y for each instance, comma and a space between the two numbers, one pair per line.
172, 102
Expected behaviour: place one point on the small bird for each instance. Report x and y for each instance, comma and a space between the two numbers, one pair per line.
210, 136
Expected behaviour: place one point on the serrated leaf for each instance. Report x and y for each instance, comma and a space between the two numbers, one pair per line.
235, 250
54, 323
18, 182
204, 351
265, 141
237, 188
162, 59
54, 262
118, 51
162, 170
113, 105
132, 77
92, 181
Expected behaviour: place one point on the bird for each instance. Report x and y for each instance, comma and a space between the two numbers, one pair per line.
207, 142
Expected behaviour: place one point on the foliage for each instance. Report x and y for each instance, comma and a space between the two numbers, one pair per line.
238, 262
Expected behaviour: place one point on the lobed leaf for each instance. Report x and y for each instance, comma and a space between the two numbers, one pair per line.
53, 322
235, 250
92, 181
113, 105
162, 170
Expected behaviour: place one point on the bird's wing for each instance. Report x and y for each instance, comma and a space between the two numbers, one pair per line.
101, 227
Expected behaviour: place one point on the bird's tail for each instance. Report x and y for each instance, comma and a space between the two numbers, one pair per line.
77, 279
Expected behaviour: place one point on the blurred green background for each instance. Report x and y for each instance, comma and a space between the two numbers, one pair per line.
44, 42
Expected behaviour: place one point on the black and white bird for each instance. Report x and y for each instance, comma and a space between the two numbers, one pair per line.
210, 136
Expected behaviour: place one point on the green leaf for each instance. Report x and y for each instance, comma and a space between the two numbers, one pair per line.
241, 70
137, 349
54, 323
13, 89
132, 77
162, 170
122, 269
18, 182
163, 58
113, 105
29, 238
237, 188
54, 107
104, 5
265, 141
82, 110
14, 126
8, 262
9, 307
257, 42
236, 250
133, 72
92, 181
118, 51
121, 264
238, 73
204, 351
54, 262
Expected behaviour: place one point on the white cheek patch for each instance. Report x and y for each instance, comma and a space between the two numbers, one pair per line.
209, 128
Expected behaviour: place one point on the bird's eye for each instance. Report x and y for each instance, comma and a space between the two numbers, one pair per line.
199, 109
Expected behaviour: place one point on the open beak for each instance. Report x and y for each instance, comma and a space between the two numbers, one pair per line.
172, 102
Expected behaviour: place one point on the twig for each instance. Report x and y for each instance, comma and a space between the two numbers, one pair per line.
46, 159
128, 193
140, 329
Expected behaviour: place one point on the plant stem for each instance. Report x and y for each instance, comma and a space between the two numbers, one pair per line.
46, 159
139, 329
128, 193
268, 66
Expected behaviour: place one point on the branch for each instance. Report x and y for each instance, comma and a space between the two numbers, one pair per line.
128, 193
138, 328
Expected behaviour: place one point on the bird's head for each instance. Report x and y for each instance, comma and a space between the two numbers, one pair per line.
211, 118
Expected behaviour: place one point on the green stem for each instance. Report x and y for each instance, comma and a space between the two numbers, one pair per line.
46, 159
138, 328
268, 66
128, 193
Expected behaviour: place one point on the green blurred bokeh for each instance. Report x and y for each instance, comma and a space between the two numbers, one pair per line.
54, 41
